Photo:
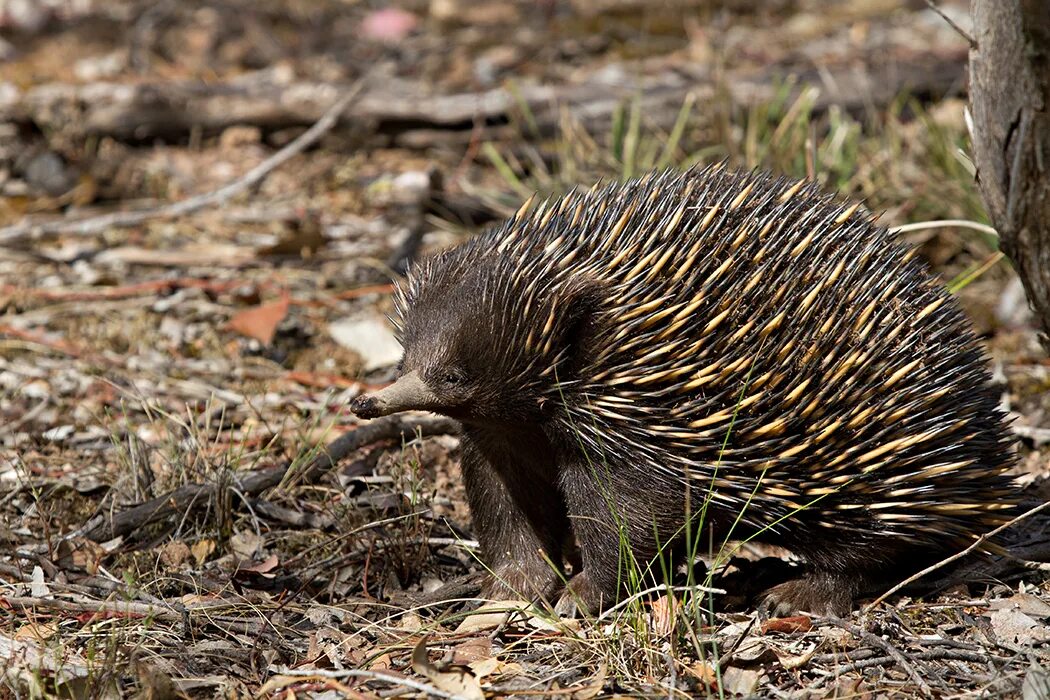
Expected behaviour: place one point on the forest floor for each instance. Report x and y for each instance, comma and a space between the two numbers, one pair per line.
188, 508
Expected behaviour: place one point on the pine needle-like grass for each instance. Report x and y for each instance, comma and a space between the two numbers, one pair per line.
901, 157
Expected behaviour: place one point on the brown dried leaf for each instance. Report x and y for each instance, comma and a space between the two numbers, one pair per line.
740, 681
594, 688
261, 322
202, 549
410, 622
265, 566
704, 672
790, 662
1018, 628
662, 615
471, 650
489, 616
800, 623
246, 544
1025, 602
80, 553
458, 683
383, 662
38, 631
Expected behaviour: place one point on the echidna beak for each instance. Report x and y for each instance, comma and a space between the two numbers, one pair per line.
408, 393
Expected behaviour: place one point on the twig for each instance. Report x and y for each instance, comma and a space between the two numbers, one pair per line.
103, 607
958, 555
978, 657
369, 675
951, 23
892, 651
255, 482
945, 223
123, 219
149, 288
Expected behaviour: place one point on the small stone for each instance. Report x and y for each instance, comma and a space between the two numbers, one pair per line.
58, 434
95, 68
411, 187
48, 172
371, 337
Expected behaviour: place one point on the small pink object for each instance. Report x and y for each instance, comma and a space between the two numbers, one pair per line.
389, 24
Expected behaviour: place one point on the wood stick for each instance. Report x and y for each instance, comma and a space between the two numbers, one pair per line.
955, 557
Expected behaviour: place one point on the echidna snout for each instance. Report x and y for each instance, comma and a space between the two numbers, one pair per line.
711, 344
408, 393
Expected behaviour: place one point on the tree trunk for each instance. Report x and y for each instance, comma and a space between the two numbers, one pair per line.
1010, 106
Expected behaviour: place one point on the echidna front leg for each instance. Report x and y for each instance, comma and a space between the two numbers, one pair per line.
819, 593
605, 527
519, 518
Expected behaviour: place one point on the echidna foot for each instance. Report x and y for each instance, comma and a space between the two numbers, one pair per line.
818, 593
580, 598
520, 581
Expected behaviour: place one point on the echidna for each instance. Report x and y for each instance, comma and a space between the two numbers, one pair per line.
727, 348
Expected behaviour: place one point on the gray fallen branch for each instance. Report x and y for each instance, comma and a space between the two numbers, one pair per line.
977, 657
109, 607
365, 674
399, 106
401, 427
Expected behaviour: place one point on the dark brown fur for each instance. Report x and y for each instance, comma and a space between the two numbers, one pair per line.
724, 353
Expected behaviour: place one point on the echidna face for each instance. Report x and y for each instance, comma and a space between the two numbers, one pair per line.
464, 355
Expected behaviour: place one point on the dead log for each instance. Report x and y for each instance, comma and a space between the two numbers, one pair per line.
1010, 107
395, 107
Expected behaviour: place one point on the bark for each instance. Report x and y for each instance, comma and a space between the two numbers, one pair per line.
1010, 106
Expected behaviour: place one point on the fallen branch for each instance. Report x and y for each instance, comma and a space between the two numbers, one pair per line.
977, 657
955, 557
286, 677
402, 107
123, 219
399, 427
102, 608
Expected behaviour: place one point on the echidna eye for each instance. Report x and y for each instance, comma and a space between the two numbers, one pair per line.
453, 377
